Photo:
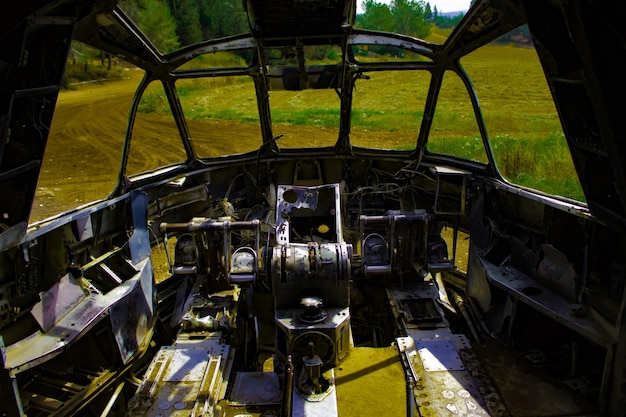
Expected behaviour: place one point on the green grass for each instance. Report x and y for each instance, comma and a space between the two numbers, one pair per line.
525, 132
315, 116
471, 146
540, 163
217, 59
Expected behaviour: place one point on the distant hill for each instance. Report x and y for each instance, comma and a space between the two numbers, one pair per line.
452, 14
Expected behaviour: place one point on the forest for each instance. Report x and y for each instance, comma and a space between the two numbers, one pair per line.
171, 24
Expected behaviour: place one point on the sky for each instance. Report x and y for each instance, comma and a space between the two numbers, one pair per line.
449, 5
442, 5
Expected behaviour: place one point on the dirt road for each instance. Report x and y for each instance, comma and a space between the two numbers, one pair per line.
82, 156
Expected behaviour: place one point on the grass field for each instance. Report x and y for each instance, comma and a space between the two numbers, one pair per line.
522, 123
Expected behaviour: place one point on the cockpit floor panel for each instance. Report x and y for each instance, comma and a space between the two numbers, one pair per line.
526, 390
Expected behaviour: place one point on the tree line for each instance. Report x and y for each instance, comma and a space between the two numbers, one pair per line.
171, 24
409, 17
174, 23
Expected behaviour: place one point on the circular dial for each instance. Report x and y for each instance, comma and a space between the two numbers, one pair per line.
313, 343
242, 261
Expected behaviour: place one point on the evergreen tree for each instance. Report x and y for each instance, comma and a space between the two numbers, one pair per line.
402, 16
428, 13
448, 21
410, 18
187, 18
377, 16
219, 18
155, 20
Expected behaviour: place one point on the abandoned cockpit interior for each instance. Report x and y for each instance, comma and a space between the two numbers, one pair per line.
305, 215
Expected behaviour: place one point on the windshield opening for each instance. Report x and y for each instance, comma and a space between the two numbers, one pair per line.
454, 130
81, 162
387, 109
155, 140
304, 103
526, 135
307, 118
221, 114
